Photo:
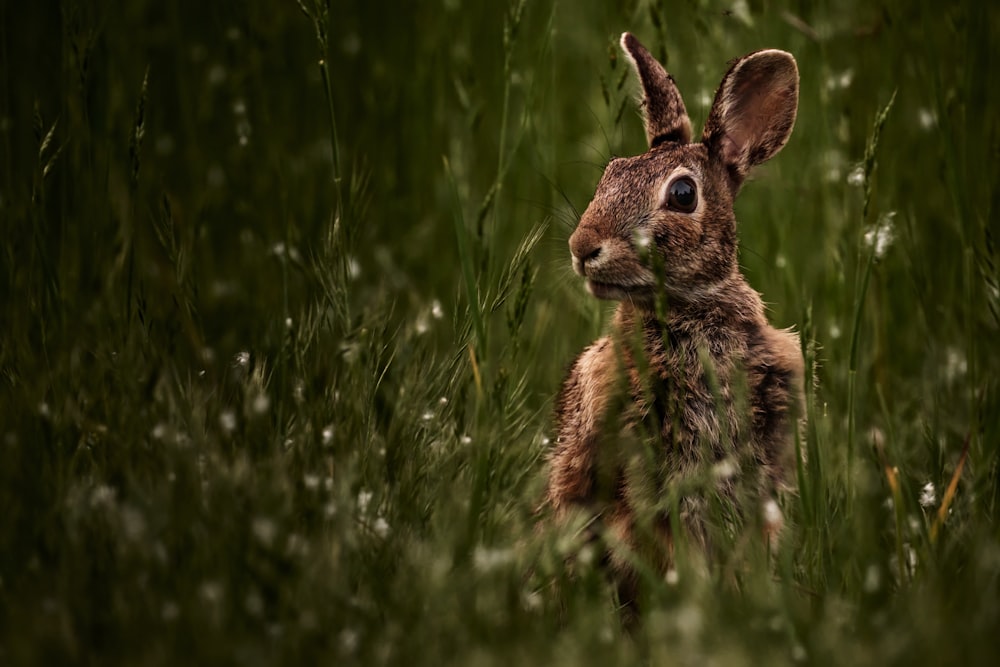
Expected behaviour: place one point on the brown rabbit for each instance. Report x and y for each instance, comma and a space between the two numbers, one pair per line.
691, 357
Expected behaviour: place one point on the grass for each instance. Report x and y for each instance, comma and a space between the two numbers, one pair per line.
287, 301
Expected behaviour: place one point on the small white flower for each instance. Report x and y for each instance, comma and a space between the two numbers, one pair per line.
264, 530
436, 311
955, 364
242, 359
672, 577
427, 416
364, 498
531, 600
772, 514
856, 177
261, 403
443, 400
311, 481
926, 118
348, 640
724, 469
465, 440
882, 235
328, 434
381, 527
353, 268
873, 579
227, 420
689, 620
211, 591
103, 496
928, 495
643, 238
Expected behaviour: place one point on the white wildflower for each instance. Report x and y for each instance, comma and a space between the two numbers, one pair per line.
724, 469
672, 577
261, 403
873, 579
348, 640
328, 434
531, 600
381, 527
955, 364
227, 420
264, 529
840, 81
465, 440
364, 499
353, 268
211, 591
880, 237
928, 495
242, 359
311, 481
773, 517
103, 496
436, 311
856, 177
926, 118
689, 620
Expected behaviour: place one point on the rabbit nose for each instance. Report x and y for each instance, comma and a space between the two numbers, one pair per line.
586, 247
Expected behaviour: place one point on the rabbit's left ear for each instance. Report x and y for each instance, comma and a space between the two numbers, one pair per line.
663, 108
754, 111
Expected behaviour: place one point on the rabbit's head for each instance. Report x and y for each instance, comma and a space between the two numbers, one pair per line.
674, 203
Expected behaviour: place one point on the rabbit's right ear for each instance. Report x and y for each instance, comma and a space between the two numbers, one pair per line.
662, 106
754, 111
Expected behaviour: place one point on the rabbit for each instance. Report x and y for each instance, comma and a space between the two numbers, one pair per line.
691, 355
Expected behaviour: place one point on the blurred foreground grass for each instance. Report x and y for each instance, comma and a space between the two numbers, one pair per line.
249, 415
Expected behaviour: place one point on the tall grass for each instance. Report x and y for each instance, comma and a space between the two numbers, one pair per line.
287, 300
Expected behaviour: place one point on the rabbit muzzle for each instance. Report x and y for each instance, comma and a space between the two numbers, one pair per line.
611, 266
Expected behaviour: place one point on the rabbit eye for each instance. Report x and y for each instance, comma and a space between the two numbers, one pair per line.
682, 195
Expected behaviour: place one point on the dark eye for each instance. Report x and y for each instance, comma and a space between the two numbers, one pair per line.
682, 196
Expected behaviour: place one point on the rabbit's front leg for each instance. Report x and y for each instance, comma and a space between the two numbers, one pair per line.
580, 418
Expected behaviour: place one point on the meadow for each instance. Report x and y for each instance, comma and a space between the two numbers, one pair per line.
287, 300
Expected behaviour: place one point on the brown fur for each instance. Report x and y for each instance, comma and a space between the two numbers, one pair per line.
719, 381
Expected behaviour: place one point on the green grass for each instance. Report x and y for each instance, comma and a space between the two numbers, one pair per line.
286, 301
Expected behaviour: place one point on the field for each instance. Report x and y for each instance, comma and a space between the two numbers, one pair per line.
287, 300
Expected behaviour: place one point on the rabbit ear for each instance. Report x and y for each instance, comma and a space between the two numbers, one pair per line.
663, 109
754, 110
